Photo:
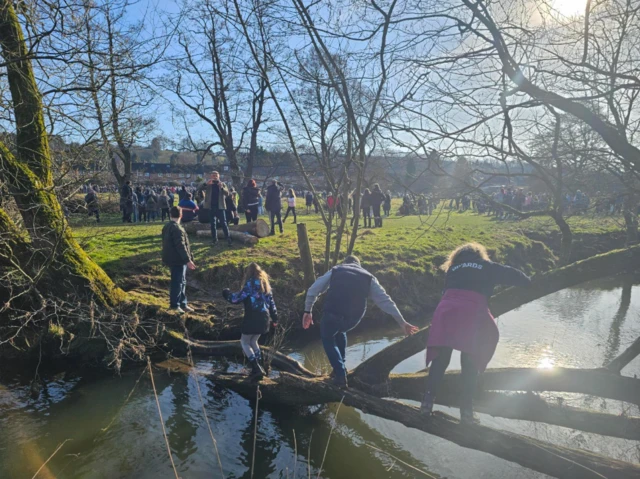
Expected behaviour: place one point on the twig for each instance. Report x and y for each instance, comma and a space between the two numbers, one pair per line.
413, 468
51, 457
164, 431
309, 454
333, 426
295, 454
206, 419
255, 431
102, 431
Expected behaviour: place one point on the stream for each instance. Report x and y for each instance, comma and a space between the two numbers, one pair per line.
111, 435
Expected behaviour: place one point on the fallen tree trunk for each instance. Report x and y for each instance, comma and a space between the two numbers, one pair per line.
377, 367
258, 228
233, 349
625, 357
594, 382
534, 454
524, 407
235, 235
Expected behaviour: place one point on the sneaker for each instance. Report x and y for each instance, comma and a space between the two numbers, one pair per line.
426, 407
468, 418
340, 381
188, 308
178, 310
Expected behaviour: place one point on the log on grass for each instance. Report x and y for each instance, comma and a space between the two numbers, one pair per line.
378, 366
524, 407
557, 461
235, 235
259, 228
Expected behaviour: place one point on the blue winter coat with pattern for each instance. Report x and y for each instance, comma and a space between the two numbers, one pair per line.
258, 307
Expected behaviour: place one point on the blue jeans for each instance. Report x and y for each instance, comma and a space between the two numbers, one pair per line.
216, 216
177, 290
334, 341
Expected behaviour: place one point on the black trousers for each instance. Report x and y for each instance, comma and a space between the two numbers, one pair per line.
291, 209
276, 215
165, 213
251, 213
469, 376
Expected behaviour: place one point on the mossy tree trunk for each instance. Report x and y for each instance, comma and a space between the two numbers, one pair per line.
28, 176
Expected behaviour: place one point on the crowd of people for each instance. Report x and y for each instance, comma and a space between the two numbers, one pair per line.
462, 320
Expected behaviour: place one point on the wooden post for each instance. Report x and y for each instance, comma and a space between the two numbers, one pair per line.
305, 255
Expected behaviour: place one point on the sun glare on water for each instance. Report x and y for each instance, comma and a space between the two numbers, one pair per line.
569, 8
546, 360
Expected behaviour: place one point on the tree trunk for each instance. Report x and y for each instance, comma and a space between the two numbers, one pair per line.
305, 255
29, 177
534, 454
234, 235
567, 238
259, 228
378, 367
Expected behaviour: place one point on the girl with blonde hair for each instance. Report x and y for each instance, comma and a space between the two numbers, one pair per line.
462, 321
259, 307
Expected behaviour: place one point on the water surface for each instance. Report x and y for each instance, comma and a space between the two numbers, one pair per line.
107, 438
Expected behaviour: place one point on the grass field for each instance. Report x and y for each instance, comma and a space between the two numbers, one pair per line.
405, 254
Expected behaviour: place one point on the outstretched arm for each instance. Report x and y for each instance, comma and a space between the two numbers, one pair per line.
316, 289
239, 297
320, 286
380, 297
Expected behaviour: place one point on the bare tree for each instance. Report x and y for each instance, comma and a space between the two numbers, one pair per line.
218, 83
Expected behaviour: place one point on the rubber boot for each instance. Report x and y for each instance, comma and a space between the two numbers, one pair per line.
380, 221
256, 370
263, 365
426, 407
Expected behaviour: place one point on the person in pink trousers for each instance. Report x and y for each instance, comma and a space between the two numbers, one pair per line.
462, 321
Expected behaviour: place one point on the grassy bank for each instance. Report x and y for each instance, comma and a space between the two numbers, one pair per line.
405, 254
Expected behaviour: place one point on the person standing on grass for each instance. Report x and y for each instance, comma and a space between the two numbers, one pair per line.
349, 285
93, 208
291, 206
259, 309
251, 201
387, 203
176, 254
462, 321
273, 204
214, 200
126, 201
309, 201
163, 204
377, 198
231, 213
152, 207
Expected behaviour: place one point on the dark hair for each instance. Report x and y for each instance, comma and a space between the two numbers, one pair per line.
351, 259
175, 212
189, 196
252, 183
128, 182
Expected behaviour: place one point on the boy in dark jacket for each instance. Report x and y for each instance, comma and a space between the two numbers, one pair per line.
176, 253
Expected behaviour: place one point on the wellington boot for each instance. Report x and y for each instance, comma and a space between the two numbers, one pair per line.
256, 370
266, 367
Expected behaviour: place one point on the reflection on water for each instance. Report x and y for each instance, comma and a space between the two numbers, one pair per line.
579, 327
